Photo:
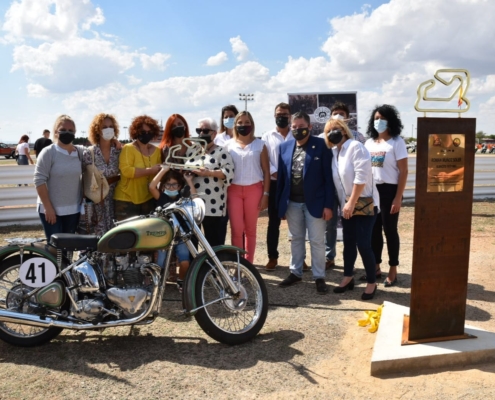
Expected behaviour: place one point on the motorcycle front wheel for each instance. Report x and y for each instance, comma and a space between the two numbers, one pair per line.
231, 320
11, 289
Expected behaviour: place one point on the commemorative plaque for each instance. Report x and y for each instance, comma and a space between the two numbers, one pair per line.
442, 226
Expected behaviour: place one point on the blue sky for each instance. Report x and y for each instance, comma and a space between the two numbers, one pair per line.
82, 57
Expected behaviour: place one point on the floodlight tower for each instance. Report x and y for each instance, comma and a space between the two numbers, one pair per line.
246, 97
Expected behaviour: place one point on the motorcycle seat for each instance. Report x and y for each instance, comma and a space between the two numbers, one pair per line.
73, 241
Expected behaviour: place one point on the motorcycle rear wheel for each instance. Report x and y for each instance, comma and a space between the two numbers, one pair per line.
231, 321
19, 334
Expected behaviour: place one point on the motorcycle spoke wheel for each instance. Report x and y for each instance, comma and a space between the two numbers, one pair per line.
11, 289
236, 319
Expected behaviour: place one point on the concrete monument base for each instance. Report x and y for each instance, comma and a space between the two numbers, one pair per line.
389, 356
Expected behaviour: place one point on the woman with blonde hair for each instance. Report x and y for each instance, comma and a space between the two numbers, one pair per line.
139, 162
353, 179
57, 178
105, 152
250, 188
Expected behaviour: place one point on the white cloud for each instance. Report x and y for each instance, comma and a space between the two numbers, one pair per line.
239, 48
156, 61
36, 90
132, 80
50, 19
217, 59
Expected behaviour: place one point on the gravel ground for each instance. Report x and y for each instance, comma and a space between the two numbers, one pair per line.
310, 346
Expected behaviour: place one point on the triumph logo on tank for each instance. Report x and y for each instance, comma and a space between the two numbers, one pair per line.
156, 233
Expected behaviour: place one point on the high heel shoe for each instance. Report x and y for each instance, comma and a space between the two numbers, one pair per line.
342, 289
369, 296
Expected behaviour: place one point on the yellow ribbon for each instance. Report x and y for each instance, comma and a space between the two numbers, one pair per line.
372, 318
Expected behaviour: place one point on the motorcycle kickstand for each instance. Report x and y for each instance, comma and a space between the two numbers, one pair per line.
133, 331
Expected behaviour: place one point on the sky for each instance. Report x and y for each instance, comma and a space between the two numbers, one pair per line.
159, 57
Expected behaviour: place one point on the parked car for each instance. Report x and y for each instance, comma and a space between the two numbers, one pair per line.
7, 151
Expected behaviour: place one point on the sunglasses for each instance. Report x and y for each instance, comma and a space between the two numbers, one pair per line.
199, 131
171, 185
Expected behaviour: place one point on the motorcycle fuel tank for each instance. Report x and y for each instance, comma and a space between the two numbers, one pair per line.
138, 235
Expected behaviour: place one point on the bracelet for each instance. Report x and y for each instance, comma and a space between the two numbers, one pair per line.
266, 194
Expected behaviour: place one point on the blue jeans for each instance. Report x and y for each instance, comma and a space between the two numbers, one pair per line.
299, 219
63, 224
181, 252
331, 231
357, 236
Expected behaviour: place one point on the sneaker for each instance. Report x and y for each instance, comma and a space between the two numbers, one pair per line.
290, 280
272, 264
329, 264
321, 286
306, 266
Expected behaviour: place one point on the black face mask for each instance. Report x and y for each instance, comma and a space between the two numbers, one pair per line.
300, 133
178, 132
244, 130
145, 137
282, 122
335, 136
206, 138
66, 137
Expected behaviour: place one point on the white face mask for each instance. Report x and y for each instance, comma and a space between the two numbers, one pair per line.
107, 133
338, 116
380, 125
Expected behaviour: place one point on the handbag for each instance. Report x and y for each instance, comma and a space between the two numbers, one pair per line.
364, 206
95, 185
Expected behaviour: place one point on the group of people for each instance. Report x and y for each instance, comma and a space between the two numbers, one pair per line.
299, 177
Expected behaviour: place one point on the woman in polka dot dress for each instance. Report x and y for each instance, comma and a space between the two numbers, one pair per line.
214, 173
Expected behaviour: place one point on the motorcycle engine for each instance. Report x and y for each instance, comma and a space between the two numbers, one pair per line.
128, 287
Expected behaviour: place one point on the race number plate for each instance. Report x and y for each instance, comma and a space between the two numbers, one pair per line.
37, 272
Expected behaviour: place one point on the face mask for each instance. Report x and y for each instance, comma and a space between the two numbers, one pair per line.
107, 133
381, 125
300, 133
335, 136
282, 122
338, 116
244, 130
178, 131
66, 137
145, 137
171, 193
228, 122
206, 138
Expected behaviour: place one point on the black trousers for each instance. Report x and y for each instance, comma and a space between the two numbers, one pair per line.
215, 230
388, 222
273, 232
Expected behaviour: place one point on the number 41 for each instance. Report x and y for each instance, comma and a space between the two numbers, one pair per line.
31, 272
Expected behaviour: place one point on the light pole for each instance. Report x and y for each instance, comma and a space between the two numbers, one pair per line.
125, 136
246, 97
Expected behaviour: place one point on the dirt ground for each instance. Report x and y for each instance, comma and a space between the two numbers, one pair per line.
310, 346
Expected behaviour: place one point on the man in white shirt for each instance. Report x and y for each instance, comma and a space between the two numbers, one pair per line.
273, 140
338, 111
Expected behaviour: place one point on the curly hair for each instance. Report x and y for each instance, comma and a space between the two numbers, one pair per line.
391, 114
96, 126
167, 138
230, 107
138, 122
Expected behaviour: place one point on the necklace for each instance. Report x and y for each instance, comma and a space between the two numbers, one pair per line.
144, 162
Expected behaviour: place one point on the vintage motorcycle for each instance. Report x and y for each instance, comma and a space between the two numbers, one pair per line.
115, 282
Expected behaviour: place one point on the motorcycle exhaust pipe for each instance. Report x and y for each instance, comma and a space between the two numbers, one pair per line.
47, 322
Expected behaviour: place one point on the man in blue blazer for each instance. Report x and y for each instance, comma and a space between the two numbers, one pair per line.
305, 196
